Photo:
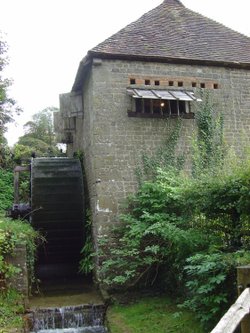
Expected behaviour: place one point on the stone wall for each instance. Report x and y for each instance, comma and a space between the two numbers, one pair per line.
20, 281
113, 142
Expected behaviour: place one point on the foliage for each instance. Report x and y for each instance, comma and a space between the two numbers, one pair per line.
172, 222
7, 188
221, 205
12, 234
208, 146
186, 232
6, 156
151, 314
157, 231
6, 185
39, 137
10, 310
209, 283
41, 126
165, 157
7, 105
86, 263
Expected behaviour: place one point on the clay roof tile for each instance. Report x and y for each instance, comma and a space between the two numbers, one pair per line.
173, 31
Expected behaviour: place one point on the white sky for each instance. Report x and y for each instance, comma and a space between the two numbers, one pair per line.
48, 38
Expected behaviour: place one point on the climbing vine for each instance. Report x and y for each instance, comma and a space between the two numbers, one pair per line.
208, 147
165, 156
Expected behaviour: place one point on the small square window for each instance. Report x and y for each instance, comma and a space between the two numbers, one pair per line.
170, 83
194, 84
203, 85
216, 86
147, 82
132, 81
180, 84
157, 82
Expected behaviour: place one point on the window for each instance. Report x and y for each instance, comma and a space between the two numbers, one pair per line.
160, 107
132, 81
157, 82
147, 82
156, 103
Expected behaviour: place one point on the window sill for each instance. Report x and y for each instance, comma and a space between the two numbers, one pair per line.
160, 116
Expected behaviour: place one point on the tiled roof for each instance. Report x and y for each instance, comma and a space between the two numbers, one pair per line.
173, 31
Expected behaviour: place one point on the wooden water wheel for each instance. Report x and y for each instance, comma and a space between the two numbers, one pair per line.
57, 212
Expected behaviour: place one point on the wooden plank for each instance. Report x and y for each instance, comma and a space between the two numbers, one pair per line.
20, 168
238, 311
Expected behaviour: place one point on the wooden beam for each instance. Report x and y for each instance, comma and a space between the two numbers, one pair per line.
238, 311
22, 168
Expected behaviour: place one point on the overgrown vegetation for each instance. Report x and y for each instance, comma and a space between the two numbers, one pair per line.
6, 185
12, 234
187, 233
11, 311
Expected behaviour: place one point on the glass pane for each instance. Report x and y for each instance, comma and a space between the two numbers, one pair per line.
145, 93
181, 95
164, 94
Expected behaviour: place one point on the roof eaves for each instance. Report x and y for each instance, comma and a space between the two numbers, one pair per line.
87, 61
135, 57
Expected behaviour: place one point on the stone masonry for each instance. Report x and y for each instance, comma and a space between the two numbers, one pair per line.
113, 142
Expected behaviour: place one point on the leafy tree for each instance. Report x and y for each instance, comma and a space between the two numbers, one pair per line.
41, 126
8, 105
39, 136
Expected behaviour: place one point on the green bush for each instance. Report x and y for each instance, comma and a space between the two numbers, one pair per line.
220, 204
170, 224
211, 284
187, 233
157, 232
7, 190
12, 234
11, 311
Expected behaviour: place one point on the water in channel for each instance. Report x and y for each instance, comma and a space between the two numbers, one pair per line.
69, 319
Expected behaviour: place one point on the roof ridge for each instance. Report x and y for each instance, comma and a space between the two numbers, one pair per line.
173, 3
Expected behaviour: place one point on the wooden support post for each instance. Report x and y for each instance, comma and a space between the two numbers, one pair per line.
17, 171
16, 187
243, 282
